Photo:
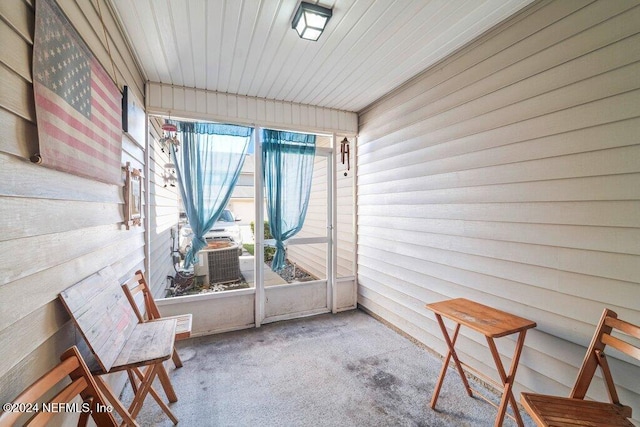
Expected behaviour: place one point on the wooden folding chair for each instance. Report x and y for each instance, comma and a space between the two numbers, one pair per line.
574, 410
82, 383
141, 299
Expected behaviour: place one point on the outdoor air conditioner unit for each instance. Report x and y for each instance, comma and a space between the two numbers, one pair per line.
219, 265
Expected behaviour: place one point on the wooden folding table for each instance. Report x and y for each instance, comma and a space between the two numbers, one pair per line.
492, 324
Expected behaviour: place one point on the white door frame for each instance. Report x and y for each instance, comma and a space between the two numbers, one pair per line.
329, 239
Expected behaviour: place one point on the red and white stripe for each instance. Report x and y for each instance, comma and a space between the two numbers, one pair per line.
71, 142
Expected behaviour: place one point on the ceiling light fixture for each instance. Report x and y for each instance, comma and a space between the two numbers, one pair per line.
310, 20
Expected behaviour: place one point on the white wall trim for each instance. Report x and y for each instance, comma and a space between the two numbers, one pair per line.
179, 101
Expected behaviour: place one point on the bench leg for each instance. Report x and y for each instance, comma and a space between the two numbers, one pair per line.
176, 358
164, 381
146, 387
127, 419
145, 384
166, 384
152, 390
132, 381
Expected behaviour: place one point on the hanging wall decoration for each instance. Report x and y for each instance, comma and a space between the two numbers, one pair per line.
78, 107
133, 117
169, 175
132, 196
169, 137
345, 154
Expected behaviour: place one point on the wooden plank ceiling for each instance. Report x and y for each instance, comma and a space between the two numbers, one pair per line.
247, 47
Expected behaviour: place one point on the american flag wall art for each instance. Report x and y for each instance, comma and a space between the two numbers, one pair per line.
78, 107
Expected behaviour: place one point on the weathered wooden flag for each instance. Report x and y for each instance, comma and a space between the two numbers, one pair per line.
78, 107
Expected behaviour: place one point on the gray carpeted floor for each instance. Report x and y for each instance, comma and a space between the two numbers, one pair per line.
329, 370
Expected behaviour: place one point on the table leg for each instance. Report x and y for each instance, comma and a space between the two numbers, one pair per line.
450, 354
507, 380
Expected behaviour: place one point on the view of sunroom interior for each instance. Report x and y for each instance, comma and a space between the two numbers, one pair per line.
466, 152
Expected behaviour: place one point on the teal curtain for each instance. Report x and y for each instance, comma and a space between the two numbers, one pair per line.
208, 163
287, 160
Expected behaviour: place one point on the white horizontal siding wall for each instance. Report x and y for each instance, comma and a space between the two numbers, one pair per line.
227, 108
345, 218
57, 228
163, 211
509, 174
312, 258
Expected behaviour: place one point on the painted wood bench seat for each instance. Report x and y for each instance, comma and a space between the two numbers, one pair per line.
119, 341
